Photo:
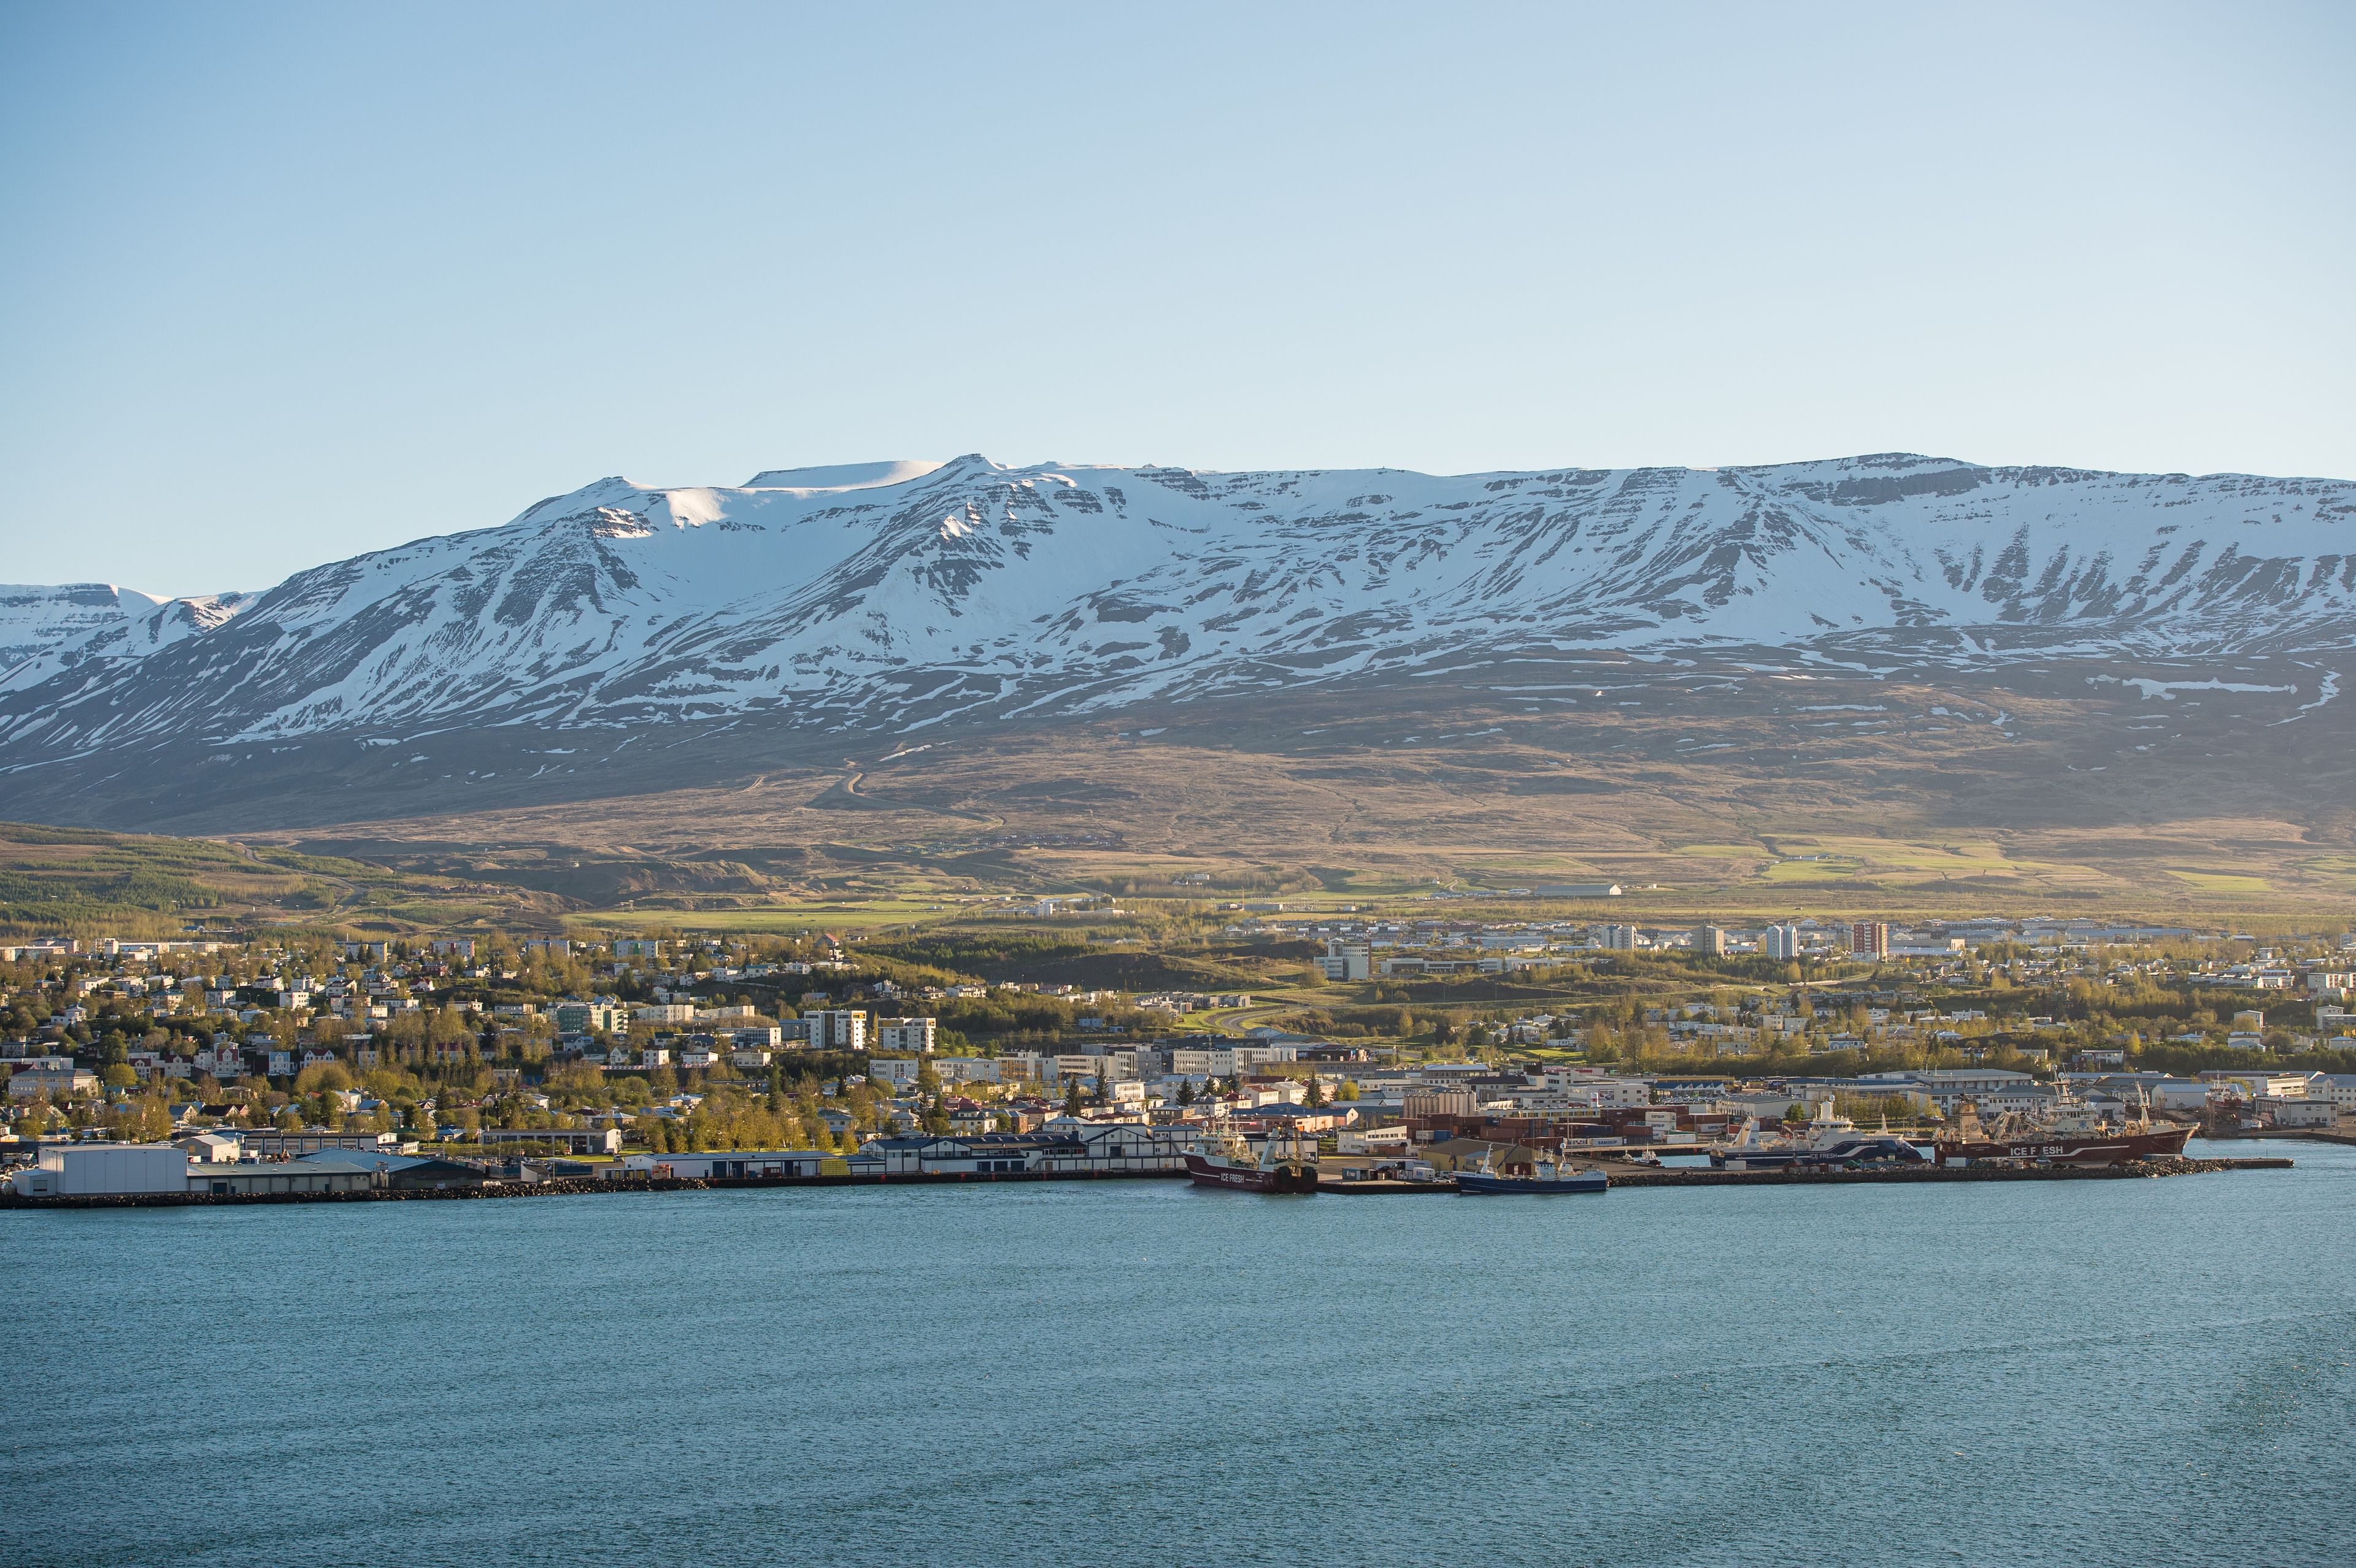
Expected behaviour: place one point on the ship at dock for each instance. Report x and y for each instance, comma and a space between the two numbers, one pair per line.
1285, 1162
1548, 1177
2072, 1133
1828, 1141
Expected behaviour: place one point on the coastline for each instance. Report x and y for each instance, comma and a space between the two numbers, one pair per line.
1909, 1175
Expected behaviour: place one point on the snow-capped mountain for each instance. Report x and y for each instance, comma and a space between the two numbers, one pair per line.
894, 595
43, 629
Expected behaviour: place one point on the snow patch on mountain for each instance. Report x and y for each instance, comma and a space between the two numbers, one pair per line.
900, 595
44, 629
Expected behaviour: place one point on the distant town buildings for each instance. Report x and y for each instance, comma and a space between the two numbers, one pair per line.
276, 1046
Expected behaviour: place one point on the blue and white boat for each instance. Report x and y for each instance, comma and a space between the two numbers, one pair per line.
1547, 1177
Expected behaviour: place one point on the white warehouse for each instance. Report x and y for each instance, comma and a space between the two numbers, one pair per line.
105, 1170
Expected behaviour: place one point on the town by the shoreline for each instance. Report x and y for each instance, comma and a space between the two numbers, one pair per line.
1391, 1054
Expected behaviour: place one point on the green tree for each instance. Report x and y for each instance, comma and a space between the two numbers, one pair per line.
322, 1075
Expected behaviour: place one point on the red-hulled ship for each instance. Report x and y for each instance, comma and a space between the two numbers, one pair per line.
2072, 1134
1284, 1164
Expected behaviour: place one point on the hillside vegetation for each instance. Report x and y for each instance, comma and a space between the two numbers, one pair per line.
81, 882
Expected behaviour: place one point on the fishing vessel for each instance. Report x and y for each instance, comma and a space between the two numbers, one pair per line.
1547, 1176
2072, 1133
1286, 1162
1828, 1140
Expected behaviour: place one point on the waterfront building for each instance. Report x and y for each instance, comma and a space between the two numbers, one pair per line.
249, 1178
266, 1142
104, 1170
727, 1164
572, 1140
1066, 1145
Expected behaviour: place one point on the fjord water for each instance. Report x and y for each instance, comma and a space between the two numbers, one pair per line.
1138, 1372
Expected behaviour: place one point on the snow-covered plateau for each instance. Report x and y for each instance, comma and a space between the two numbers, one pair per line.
898, 596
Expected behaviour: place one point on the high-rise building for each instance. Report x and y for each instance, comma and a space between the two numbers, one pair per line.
1620, 938
1710, 942
905, 1034
603, 1013
1347, 960
1869, 939
836, 1029
1781, 942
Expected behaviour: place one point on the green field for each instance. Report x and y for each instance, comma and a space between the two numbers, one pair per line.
2222, 882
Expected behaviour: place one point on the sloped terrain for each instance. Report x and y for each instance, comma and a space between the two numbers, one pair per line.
960, 655
2060, 787
93, 883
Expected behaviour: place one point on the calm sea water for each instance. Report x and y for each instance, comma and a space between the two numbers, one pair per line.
2101, 1372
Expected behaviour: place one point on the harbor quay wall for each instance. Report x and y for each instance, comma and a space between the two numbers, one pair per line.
2148, 1168
570, 1188
1904, 1175
2293, 1134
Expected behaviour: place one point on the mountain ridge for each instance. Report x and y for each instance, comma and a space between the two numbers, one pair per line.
1315, 568
893, 599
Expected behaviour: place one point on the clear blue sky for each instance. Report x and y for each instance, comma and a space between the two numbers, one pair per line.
282, 283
